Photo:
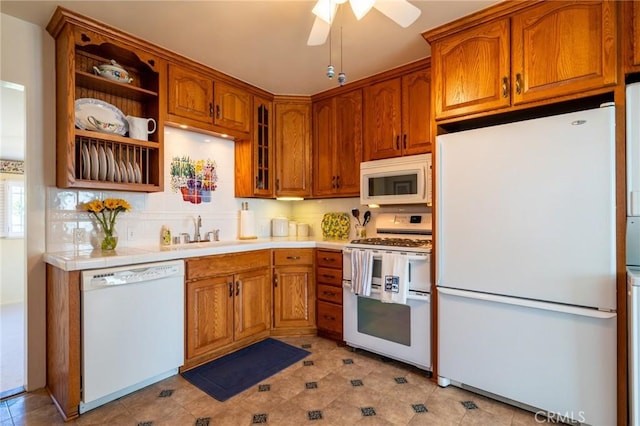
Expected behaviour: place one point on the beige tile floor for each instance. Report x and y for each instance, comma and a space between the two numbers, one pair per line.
341, 387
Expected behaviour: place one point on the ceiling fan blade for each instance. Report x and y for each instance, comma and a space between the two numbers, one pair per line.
325, 10
400, 11
319, 32
361, 7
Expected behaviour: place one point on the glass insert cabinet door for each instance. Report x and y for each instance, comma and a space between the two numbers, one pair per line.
263, 155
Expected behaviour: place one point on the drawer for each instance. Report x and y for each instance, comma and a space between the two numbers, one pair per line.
226, 264
330, 293
329, 258
329, 276
330, 317
293, 257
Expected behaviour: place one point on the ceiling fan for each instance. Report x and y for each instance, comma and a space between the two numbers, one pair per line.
400, 11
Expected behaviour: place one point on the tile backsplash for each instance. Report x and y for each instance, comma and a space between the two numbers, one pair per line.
149, 212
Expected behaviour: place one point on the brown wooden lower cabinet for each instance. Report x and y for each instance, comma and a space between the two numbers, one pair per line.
228, 303
294, 291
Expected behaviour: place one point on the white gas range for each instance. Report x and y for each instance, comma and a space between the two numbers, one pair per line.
400, 331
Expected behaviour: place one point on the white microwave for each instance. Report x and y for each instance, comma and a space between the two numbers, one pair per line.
401, 180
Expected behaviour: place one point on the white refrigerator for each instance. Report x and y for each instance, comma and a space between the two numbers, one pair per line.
526, 264
633, 248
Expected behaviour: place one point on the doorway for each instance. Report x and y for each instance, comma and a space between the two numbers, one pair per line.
12, 238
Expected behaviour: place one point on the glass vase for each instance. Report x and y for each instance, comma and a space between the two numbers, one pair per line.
107, 240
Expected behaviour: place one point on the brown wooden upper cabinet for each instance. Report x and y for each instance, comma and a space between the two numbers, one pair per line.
631, 35
337, 145
198, 100
86, 157
535, 54
397, 116
293, 146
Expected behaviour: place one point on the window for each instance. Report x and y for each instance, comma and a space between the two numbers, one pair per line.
12, 209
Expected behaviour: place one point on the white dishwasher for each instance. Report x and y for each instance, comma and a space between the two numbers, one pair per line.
132, 329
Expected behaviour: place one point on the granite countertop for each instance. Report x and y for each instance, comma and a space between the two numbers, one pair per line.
96, 259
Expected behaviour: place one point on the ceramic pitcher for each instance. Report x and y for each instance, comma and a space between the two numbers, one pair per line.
139, 127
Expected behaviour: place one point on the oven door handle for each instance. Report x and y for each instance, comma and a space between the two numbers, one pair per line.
378, 253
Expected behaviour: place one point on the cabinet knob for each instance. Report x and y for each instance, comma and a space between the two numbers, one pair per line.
398, 142
333, 182
505, 87
217, 111
210, 109
230, 289
275, 280
404, 141
337, 181
238, 287
518, 83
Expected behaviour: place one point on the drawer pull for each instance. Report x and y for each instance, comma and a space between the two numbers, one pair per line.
328, 259
238, 287
505, 87
230, 289
293, 257
328, 293
329, 318
328, 276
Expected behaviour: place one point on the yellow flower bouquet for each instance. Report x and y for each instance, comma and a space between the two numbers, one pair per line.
105, 213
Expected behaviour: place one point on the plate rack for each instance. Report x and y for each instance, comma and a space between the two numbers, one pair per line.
113, 162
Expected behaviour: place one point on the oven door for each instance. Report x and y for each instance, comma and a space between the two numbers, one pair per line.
401, 332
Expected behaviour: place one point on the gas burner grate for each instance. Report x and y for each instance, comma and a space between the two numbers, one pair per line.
395, 242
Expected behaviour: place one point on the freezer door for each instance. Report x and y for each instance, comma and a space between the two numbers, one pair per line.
542, 356
527, 209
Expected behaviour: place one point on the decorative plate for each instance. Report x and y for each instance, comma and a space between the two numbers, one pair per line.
335, 226
102, 112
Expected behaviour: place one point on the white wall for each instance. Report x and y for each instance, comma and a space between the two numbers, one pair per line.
27, 58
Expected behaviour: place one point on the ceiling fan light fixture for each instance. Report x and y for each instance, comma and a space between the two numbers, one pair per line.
361, 7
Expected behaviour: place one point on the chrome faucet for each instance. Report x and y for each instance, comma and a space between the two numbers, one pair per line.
196, 234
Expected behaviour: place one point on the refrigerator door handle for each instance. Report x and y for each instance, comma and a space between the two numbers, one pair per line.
534, 304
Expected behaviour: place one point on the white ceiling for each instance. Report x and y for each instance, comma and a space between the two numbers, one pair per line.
264, 42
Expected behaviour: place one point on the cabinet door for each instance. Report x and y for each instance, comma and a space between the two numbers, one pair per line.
294, 304
471, 70
232, 107
382, 126
416, 113
209, 314
263, 151
293, 149
324, 174
563, 47
252, 303
348, 142
190, 95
